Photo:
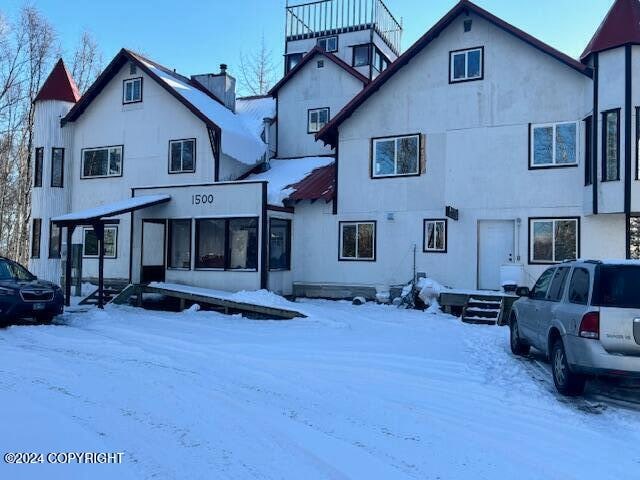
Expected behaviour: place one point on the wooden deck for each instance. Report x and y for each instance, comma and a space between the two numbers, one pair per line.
133, 295
480, 307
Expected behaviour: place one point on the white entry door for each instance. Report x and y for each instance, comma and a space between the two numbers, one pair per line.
495, 248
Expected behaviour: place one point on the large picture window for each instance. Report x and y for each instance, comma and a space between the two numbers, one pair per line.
179, 248
132, 90
358, 241
102, 162
90, 243
466, 65
57, 167
182, 156
611, 145
37, 167
553, 240
317, 119
396, 156
279, 244
435, 236
55, 240
554, 145
243, 244
210, 243
227, 243
36, 233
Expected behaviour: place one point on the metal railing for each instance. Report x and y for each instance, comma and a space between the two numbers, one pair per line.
325, 17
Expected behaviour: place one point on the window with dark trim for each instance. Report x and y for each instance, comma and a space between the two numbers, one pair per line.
434, 238
611, 145
395, 156
328, 44
358, 241
317, 118
179, 244
553, 240
57, 167
36, 233
132, 90
90, 242
554, 145
242, 245
292, 60
227, 243
279, 244
55, 240
37, 167
102, 162
588, 151
182, 156
210, 243
634, 233
380, 62
361, 55
466, 65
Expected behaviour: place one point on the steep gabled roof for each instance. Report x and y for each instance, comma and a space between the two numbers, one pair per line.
328, 133
620, 27
307, 58
59, 85
238, 139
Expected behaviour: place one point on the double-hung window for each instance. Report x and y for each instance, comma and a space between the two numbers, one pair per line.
37, 167
361, 55
553, 240
554, 145
358, 241
435, 236
395, 156
102, 162
227, 243
182, 156
611, 145
132, 90
90, 243
317, 119
466, 65
57, 167
328, 44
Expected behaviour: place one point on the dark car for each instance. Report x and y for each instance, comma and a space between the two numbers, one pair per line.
22, 295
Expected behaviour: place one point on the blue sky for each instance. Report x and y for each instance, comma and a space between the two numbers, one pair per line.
196, 36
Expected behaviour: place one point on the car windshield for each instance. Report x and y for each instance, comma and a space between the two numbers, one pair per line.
617, 286
13, 271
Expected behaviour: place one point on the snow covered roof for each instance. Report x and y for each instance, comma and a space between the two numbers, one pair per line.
253, 111
112, 209
285, 174
238, 139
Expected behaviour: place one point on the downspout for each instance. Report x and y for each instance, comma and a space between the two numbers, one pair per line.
627, 148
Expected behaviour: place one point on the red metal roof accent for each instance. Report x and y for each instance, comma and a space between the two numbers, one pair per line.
329, 133
59, 85
318, 185
306, 58
620, 27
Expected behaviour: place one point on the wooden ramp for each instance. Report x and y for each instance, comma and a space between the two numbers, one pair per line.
217, 300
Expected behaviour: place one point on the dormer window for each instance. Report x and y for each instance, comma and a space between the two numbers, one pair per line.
466, 65
328, 44
132, 90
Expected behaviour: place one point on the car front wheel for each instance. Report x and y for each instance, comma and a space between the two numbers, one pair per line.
517, 346
567, 382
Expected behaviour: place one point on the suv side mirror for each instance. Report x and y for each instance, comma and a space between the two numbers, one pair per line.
523, 291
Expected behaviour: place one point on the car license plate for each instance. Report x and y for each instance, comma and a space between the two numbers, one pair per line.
39, 306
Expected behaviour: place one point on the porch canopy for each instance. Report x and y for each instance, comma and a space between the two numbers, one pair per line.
97, 217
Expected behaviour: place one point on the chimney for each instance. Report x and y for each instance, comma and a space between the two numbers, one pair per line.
222, 85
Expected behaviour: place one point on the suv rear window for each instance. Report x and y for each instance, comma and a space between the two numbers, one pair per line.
617, 286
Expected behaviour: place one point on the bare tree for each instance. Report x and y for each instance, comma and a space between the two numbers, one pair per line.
87, 62
257, 71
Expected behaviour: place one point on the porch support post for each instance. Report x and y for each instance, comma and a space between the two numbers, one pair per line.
98, 228
67, 277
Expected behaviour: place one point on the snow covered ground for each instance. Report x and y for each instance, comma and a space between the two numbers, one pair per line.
368, 392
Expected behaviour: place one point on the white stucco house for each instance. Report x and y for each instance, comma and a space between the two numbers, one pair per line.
478, 147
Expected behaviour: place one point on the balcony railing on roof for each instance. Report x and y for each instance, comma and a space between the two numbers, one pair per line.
326, 17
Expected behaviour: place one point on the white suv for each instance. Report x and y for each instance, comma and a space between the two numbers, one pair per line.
585, 316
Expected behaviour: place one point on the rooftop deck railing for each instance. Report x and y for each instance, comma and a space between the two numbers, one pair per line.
326, 17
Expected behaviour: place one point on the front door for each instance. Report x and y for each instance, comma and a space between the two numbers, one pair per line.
153, 251
495, 248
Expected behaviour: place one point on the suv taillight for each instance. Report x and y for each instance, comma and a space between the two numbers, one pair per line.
590, 326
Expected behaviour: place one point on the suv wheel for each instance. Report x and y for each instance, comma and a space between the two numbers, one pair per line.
517, 346
567, 382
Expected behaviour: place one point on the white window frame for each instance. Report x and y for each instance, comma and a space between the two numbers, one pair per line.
357, 224
466, 52
108, 149
131, 81
326, 42
115, 241
553, 164
315, 127
182, 141
434, 222
553, 221
396, 139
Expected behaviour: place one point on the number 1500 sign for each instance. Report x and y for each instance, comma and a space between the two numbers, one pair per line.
201, 199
